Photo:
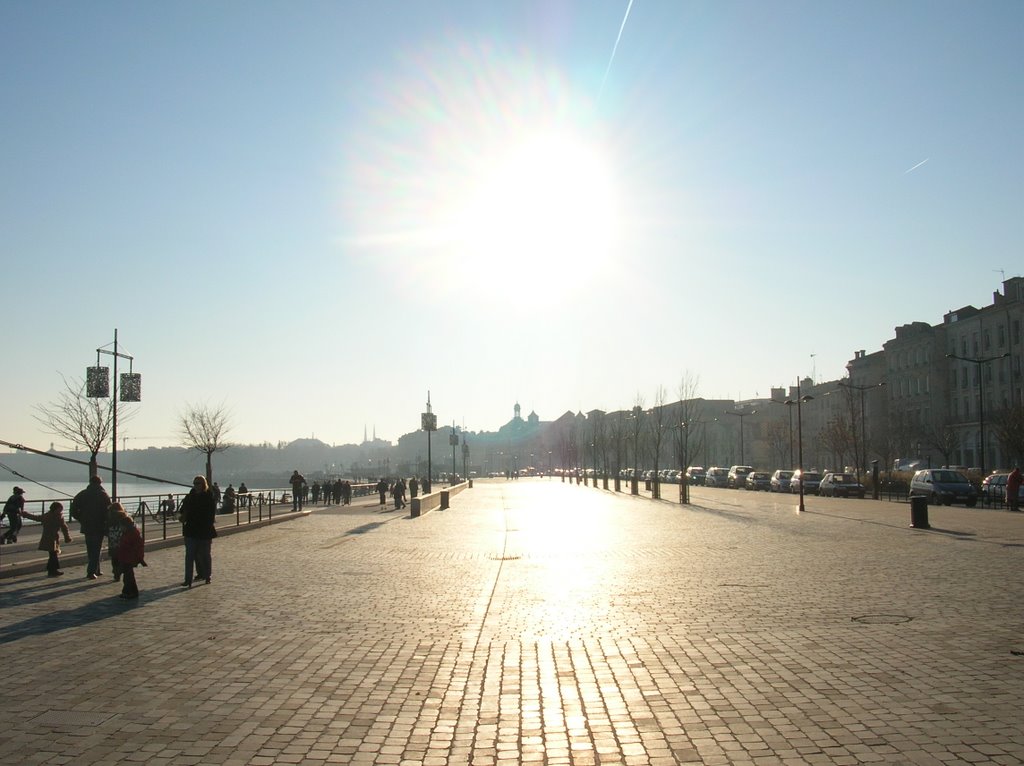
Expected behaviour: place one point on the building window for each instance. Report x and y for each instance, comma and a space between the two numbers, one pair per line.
1001, 335
986, 340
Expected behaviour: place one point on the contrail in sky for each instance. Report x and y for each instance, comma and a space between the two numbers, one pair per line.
917, 165
615, 47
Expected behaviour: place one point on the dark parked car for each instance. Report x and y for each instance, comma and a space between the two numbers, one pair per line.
780, 480
840, 485
807, 480
695, 475
757, 480
942, 485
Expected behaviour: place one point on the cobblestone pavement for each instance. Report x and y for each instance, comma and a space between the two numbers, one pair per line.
540, 622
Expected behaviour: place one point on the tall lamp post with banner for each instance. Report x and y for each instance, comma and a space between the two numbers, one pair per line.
428, 422
97, 386
453, 440
465, 457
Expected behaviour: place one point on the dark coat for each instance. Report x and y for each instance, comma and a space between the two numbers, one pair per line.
89, 508
198, 514
53, 526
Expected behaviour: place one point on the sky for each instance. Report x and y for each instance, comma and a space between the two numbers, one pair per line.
312, 214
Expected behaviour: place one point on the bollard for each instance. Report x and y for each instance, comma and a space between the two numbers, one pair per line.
919, 512
444, 500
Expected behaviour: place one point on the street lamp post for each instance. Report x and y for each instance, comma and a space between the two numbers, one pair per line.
453, 439
428, 422
741, 415
981, 395
129, 390
800, 436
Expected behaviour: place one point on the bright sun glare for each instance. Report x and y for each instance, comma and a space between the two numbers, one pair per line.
545, 206
495, 173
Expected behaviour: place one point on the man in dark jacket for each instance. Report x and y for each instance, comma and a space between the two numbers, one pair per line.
89, 509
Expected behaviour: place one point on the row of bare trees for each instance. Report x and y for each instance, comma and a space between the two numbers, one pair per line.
87, 422
899, 435
638, 438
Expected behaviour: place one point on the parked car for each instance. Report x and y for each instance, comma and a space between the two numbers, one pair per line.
806, 480
717, 477
835, 484
780, 480
738, 475
758, 480
695, 475
993, 487
942, 485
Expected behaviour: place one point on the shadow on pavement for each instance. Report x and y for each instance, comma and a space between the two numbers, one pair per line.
109, 606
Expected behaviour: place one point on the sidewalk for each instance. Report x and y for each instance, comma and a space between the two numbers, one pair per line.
540, 622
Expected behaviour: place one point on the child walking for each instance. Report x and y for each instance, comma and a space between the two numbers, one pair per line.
53, 526
127, 549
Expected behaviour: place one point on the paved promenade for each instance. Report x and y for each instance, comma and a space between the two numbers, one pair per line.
543, 623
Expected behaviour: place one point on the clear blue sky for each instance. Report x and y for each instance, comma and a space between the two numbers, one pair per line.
315, 212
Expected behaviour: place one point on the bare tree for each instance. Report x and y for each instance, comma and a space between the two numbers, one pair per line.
1010, 432
777, 436
636, 429
204, 428
688, 442
836, 438
85, 422
617, 438
657, 422
945, 438
599, 438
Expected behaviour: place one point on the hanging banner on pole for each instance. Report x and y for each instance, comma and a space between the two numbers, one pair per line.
97, 382
131, 387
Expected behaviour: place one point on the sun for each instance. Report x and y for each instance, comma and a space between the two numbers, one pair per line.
544, 205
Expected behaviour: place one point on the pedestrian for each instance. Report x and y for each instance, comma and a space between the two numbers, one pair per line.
346, 491
12, 510
297, 480
198, 516
229, 499
1013, 489
414, 487
215, 489
89, 509
126, 547
401, 491
166, 510
396, 493
382, 490
53, 526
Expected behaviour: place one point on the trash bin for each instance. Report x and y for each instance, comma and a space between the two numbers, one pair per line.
919, 512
